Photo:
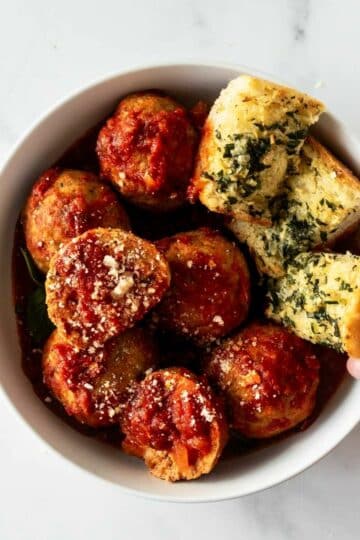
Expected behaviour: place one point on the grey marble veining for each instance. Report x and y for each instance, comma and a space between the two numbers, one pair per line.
300, 16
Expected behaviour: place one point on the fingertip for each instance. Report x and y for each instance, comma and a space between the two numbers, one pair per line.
353, 367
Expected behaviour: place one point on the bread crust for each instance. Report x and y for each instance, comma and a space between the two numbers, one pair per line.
351, 327
342, 171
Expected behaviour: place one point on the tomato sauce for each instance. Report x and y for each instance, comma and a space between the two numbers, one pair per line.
82, 155
168, 410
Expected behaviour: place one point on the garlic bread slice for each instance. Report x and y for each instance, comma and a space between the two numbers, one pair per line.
319, 300
251, 138
319, 203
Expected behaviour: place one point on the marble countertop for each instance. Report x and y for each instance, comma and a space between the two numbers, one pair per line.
49, 49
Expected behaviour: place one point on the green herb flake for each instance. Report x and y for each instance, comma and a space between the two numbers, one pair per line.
330, 205
37, 320
34, 273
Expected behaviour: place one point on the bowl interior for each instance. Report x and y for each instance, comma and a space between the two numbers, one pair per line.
39, 148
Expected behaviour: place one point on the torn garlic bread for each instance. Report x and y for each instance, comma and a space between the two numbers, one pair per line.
319, 300
251, 138
318, 204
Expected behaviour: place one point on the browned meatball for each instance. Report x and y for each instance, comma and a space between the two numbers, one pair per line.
64, 204
93, 384
103, 282
147, 148
269, 377
176, 424
209, 293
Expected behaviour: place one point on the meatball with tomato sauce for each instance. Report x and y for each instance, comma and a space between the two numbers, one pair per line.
209, 294
101, 283
176, 424
63, 204
269, 378
93, 384
147, 148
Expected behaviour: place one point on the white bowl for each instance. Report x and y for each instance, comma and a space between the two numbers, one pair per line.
38, 149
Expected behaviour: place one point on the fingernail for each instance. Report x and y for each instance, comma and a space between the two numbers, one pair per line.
353, 367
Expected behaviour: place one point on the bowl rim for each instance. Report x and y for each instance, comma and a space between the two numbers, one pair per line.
112, 75
12, 153
48, 446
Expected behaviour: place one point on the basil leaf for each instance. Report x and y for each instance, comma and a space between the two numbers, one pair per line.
37, 320
31, 268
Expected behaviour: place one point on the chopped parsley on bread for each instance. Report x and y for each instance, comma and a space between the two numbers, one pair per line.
251, 140
318, 203
319, 300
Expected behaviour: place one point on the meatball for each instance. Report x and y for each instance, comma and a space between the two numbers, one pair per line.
269, 378
209, 293
93, 384
62, 205
176, 424
101, 283
147, 148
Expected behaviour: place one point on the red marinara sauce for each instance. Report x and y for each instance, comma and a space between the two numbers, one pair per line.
103, 282
147, 148
172, 407
269, 378
82, 155
209, 294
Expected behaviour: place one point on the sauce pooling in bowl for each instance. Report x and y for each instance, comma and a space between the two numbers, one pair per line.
34, 327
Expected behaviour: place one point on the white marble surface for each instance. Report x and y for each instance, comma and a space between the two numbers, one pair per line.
47, 50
